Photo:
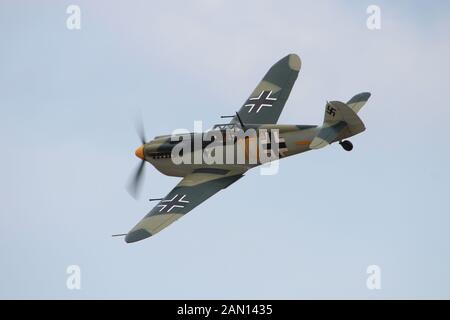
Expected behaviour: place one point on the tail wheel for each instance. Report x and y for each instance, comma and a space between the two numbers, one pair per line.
346, 145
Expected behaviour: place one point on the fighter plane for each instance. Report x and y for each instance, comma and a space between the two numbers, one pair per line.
259, 112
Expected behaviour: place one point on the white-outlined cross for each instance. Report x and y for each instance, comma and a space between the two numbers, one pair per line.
260, 101
274, 137
171, 203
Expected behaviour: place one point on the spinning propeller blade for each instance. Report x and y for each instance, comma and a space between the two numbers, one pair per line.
137, 177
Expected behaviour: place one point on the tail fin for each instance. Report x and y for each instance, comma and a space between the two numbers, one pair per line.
340, 121
358, 101
336, 111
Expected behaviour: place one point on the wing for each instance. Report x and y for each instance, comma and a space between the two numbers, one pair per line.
266, 102
189, 193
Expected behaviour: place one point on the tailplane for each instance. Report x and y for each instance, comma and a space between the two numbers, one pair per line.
340, 121
358, 101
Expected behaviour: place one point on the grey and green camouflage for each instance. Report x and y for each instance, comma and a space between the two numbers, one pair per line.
252, 138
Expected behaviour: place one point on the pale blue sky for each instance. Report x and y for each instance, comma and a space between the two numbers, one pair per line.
67, 103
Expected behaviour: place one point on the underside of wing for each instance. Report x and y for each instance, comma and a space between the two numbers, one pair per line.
188, 194
266, 102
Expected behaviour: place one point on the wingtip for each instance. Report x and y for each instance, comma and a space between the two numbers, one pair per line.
294, 62
137, 235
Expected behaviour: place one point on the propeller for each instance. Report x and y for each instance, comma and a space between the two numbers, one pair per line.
139, 126
137, 176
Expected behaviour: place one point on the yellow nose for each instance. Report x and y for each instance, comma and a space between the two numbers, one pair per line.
140, 152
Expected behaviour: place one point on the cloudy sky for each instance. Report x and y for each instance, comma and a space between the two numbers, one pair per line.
67, 103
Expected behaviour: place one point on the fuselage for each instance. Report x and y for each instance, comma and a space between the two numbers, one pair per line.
285, 140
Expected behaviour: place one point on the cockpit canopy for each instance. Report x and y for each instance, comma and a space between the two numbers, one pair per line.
226, 126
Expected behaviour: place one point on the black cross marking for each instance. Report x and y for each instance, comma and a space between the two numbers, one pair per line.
282, 148
173, 203
263, 100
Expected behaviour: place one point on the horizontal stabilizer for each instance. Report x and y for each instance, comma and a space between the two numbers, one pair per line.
358, 101
327, 135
